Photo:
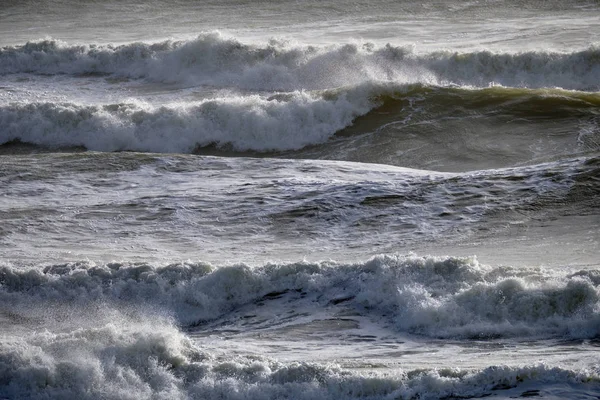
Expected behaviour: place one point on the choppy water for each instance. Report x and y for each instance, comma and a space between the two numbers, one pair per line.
267, 200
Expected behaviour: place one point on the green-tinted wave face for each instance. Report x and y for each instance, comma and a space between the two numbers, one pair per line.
460, 129
442, 128
523, 102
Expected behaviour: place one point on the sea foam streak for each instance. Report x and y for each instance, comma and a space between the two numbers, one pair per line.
437, 297
212, 59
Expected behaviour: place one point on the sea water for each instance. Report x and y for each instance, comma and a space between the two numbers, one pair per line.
301, 200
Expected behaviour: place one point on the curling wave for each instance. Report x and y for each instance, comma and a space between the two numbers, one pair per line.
283, 121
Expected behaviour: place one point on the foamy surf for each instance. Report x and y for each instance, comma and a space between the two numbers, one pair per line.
436, 297
215, 60
391, 139
243, 122
128, 342
147, 361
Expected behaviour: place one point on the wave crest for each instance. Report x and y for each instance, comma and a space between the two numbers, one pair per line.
212, 59
283, 121
439, 297
244, 123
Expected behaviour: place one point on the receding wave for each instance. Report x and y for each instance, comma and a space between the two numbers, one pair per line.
285, 121
212, 59
435, 297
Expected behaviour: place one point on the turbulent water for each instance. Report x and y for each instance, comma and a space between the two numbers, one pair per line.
299, 200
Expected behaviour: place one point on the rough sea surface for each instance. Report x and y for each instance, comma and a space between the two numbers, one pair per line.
299, 200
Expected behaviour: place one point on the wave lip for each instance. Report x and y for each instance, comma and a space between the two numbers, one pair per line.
212, 59
435, 297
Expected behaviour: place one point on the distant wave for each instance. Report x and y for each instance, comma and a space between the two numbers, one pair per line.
212, 59
285, 121
436, 297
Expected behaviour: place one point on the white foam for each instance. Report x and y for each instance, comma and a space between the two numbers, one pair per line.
212, 59
154, 360
436, 297
90, 331
243, 122
134, 361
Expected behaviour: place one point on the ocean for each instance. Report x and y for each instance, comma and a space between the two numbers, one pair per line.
281, 199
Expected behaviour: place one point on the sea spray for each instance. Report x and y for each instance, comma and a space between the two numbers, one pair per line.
437, 297
144, 360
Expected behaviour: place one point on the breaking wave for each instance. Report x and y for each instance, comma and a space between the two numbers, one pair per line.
436, 297
145, 360
123, 341
212, 59
245, 123
284, 121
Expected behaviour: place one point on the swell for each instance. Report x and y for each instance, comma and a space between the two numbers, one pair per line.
431, 296
212, 59
289, 121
